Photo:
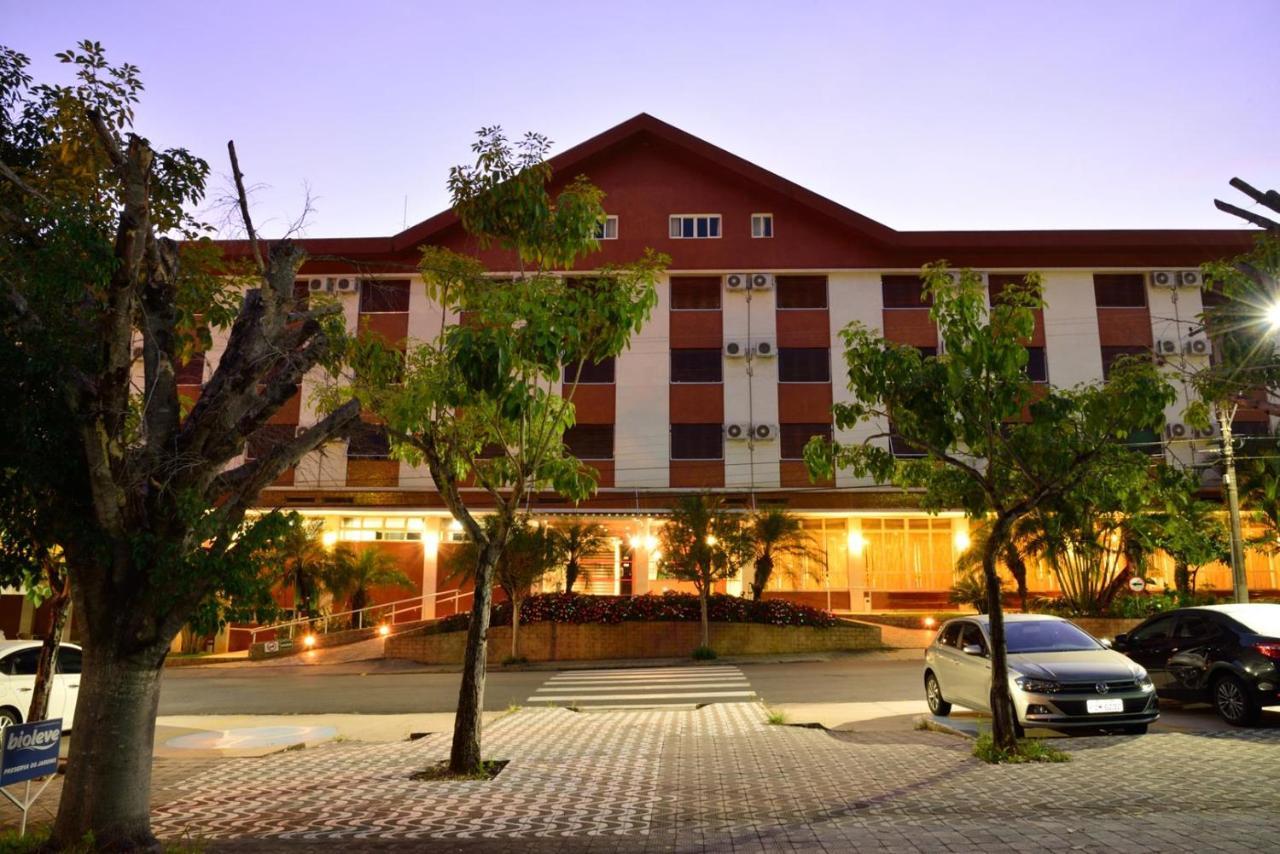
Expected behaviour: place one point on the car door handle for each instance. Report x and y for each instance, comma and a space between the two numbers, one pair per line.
77, 685
24, 689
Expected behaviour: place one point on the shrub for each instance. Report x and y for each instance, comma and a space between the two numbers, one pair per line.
1028, 750
704, 653
674, 607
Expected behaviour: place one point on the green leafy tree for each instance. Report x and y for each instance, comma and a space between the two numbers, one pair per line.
703, 542
579, 540
1188, 529
992, 443
1013, 554
776, 533
483, 401
302, 561
145, 497
351, 574
1259, 472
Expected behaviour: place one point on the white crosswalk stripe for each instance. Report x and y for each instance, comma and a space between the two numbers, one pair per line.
645, 687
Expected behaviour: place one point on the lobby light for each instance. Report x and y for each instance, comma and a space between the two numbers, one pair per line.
329, 539
962, 540
856, 543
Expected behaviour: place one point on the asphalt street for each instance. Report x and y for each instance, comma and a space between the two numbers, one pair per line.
398, 687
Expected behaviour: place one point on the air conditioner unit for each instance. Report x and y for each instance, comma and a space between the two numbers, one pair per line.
764, 432
735, 349
735, 281
737, 432
317, 286
1166, 347
761, 282
1197, 347
1163, 279
346, 286
1190, 279
764, 349
1176, 431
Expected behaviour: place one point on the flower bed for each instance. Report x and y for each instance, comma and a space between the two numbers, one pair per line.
667, 607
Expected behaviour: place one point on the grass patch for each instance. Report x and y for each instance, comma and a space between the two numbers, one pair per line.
1027, 750
775, 717
704, 653
514, 661
439, 772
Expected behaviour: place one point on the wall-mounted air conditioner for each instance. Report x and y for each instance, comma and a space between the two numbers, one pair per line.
1166, 347
761, 282
1176, 430
764, 432
764, 349
735, 349
1197, 347
346, 285
1164, 279
317, 286
737, 432
735, 281
1190, 279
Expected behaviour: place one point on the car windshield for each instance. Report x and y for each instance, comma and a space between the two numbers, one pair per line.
1046, 636
1259, 619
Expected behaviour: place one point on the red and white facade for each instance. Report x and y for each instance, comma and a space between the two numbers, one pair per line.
661, 420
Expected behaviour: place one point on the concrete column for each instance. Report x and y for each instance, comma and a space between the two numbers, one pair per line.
859, 593
431, 534
852, 296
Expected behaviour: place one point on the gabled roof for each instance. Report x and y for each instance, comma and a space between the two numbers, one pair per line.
568, 161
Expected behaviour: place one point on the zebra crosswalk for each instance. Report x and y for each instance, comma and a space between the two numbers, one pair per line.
646, 687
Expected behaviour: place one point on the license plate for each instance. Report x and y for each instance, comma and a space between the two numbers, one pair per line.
1103, 706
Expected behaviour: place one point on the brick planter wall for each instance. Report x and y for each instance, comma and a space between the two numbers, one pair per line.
593, 642
1105, 627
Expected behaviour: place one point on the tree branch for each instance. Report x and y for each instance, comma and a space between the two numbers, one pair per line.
244, 207
1270, 198
1247, 216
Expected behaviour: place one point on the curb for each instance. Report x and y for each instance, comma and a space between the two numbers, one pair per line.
932, 724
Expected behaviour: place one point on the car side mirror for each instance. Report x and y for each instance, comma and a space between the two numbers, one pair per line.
971, 649
1121, 641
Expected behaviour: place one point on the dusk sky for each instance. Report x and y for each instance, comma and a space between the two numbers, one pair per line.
941, 115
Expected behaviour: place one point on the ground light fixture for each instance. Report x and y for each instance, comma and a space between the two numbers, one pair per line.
929, 622
309, 641
384, 630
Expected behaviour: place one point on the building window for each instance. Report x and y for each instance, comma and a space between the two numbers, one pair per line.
192, 372
592, 373
762, 225
1146, 442
1037, 365
607, 230
795, 436
381, 296
909, 554
904, 291
266, 438
1111, 354
695, 293
802, 291
899, 447
804, 365
697, 442
368, 442
694, 226
357, 529
590, 441
1250, 428
1119, 290
696, 366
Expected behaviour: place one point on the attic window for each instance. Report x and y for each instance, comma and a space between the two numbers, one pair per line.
694, 226
762, 225
608, 229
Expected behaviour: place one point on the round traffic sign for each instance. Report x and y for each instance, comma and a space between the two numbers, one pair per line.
1137, 584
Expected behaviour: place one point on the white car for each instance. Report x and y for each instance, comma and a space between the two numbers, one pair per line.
18, 659
1060, 677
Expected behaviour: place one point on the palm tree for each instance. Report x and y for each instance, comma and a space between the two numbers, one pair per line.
351, 575
303, 559
774, 532
577, 541
1023, 544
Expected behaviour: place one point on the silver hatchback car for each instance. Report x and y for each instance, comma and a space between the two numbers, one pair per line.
1059, 676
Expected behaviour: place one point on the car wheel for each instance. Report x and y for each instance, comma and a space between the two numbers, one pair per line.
933, 696
1231, 699
8, 718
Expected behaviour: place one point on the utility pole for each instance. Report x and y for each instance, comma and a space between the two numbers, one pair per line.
1239, 581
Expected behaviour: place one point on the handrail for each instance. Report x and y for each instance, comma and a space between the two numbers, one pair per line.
388, 612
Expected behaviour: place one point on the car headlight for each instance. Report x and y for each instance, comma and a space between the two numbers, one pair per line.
1037, 686
1145, 684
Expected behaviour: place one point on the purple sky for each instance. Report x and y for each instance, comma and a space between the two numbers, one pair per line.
940, 115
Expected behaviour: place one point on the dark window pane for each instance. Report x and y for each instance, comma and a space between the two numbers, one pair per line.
768, 226
903, 291
697, 442
696, 366
1160, 629
1111, 354
590, 441
703, 225
1119, 290
592, 373
795, 436
68, 660
23, 662
368, 442
900, 448
1037, 365
927, 352
804, 365
1250, 428
192, 373
384, 296
802, 291
715, 226
267, 437
695, 292
687, 226
1146, 441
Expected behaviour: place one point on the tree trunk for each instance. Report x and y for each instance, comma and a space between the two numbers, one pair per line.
44, 668
464, 757
108, 782
703, 593
1018, 569
515, 626
570, 575
1002, 713
764, 569
1182, 577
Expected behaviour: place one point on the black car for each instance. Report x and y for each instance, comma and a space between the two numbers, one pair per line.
1227, 655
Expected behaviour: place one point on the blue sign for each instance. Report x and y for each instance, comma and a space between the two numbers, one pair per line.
29, 750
